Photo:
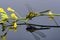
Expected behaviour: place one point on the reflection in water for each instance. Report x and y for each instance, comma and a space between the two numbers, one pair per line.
12, 28
3, 37
35, 31
30, 28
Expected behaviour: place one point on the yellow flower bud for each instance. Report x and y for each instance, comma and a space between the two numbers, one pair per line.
2, 10
14, 16
10, 9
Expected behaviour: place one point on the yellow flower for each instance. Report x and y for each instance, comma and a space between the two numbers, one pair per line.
15, 26
2, 10
4, 17
51, 15
14, 16
10, 9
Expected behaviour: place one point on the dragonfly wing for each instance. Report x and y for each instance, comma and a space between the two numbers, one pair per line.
29, 8
35, 36
44, 11
40, 33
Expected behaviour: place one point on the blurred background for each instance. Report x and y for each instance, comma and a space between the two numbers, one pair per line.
38, 6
